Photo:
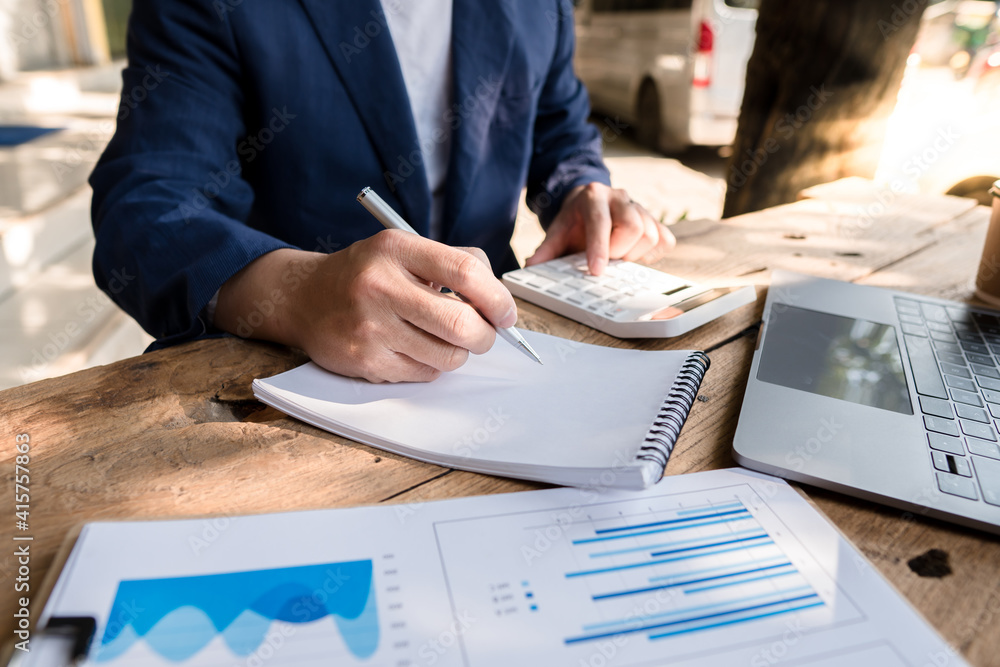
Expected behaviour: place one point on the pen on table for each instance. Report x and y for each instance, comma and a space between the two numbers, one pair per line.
392, 220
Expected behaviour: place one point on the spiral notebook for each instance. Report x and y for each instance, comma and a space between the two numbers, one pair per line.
589, 416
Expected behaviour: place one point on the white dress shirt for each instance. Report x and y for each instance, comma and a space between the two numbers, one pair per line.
421, 32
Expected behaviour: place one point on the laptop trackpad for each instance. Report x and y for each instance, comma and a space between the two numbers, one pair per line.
840, 357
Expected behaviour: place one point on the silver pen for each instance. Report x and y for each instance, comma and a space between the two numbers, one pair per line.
392, 220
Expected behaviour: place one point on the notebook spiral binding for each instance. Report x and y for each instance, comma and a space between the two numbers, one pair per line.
673, 412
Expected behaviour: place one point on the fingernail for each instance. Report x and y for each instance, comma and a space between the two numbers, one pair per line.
597, 268
509, 319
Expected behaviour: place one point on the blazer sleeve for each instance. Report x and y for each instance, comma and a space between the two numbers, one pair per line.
170, 206
567, 149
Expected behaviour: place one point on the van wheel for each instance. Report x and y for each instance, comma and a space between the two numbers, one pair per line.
649, 123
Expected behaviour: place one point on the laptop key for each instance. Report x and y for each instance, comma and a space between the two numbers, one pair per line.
966, 397
940, 461
977, 430
936, 407
988, 383
959, 314
912, 329
950, 348
960, 466
960, 383
942, 426
986, 371
944, 337
951, 358
988, 472
974, 348
934, 312
983, 448
946, 443
926, 375
991, 396
955, 369
938, 326
970, 337
957, 486
968, 412
982, 359
994, 410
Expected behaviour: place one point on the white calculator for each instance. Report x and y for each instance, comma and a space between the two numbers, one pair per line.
628, 301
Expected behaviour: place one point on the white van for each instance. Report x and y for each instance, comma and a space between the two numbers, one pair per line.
674, 69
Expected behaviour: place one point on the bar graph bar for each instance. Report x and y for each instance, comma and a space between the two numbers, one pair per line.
718, 558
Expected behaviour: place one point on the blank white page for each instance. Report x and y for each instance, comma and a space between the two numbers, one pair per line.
586, 406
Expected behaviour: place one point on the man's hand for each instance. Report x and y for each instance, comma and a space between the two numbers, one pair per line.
608, 224
374, 310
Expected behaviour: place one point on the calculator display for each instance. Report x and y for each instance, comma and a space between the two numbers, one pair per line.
689, 304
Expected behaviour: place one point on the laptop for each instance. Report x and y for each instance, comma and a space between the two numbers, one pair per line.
879, 394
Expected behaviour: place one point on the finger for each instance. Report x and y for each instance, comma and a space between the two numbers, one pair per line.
448, 321
628, 226
399, 367
460, 272
649, 238
597, 223
478, 254
554, 245
664, 245
428, 350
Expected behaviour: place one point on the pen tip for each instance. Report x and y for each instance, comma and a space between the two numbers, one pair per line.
531, 353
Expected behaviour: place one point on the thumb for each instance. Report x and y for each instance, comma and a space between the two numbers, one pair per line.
553, 246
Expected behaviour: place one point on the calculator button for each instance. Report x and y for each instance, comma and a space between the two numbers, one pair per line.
519, 276
546, 272
580, 298
559, 290
600, 292
540, 282
578, 284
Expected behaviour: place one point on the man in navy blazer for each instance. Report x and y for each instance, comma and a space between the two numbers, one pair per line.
226, 199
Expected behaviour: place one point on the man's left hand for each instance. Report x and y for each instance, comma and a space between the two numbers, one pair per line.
608, 224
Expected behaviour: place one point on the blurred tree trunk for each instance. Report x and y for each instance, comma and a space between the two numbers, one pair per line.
821, 84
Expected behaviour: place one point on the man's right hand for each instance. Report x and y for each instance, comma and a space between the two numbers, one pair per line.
373, 310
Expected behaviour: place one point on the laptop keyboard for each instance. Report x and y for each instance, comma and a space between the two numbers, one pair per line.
953, 354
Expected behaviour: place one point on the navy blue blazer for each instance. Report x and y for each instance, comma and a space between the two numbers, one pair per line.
247, 126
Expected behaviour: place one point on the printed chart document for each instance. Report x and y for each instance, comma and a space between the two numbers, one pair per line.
724, 568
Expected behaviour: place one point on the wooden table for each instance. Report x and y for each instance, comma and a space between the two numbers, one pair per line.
178, 432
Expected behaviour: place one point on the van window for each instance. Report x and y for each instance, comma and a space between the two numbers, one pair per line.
644, 5
743, 4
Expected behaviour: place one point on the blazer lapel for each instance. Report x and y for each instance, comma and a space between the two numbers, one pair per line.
357, 40
482, 36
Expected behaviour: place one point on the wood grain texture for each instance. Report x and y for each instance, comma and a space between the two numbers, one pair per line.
177, 433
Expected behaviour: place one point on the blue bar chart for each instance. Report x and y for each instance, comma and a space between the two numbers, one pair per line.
625, 582
731, 573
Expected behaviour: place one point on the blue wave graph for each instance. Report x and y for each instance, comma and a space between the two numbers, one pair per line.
178, 617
